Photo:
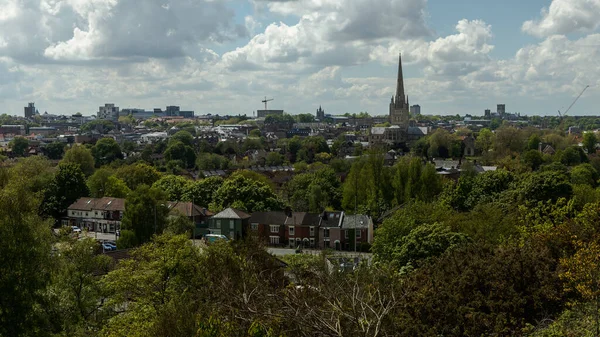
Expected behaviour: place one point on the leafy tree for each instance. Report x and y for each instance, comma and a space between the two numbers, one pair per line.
582, 275
19, 146
55, 150
75, 285
81, 156
584, 174
314, 191
368, 186
145, 213
97, 182
179, 224
138, 174
412, 179
485, 140
211, 161
534, 142
182, 136
305, 118
68, 185
509, 139
106, 151
175, 187
116, 188
202, 192
246, 194
425, 242
179, 151
589, 142
533, 159
100, 125
547, 185
255, 133
570, 157
274, 159
24, 259
441, 144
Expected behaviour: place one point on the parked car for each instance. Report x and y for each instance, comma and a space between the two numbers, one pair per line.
212, 238
75, 229
108, 247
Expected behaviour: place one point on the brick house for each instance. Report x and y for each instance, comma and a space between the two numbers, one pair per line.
330, 230
270, 226
301, 230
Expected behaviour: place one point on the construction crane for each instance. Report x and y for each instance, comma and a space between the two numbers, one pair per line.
267, 100
563, 114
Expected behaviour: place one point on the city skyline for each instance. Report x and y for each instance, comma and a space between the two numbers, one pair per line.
225, 57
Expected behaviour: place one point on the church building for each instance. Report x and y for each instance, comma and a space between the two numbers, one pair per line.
397, 134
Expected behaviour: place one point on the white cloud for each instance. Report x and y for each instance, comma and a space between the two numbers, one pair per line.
564, 17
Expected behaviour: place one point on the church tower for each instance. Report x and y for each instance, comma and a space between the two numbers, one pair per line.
399, 107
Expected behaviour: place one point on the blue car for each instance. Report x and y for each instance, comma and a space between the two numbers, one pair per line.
108, 247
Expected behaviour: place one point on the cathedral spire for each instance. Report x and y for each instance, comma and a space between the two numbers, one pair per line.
400, 86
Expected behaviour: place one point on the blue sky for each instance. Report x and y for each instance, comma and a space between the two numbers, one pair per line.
223, 56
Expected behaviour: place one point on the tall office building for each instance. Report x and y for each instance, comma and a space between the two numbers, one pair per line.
30, 110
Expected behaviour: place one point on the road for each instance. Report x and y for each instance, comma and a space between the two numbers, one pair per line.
101, 236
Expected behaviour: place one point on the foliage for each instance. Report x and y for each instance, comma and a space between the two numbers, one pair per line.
81, 156
177, 150
274, 159
55, 150
67, 186
173, 186
584, 174
100, 125
589, 142
19, 146
137, 174
182, 136
145, 213
178, 224
246, 194
547, 185
202, 192
106, 151
211, 161
314, 191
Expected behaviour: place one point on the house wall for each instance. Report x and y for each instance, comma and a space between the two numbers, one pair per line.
302, 232
335, 234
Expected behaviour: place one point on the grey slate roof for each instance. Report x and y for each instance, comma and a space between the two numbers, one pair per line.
231, 213
355, 221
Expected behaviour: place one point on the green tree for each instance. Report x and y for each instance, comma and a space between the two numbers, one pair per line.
116, 188
584, 174
81, 156
145, 213
100, 125
68, 185
25, 264
178, 224
97, 182
175, 187
75, 287
314, 191
485, 140
246, 194
182, 136
274, 159
202, 192
19, 146
534, 142
547, 185
532, 159
425, 242
55, 150
177, 150
589, 142
211, 161
138, 174
106, 151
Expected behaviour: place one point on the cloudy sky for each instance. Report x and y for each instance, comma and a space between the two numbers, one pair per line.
224, 56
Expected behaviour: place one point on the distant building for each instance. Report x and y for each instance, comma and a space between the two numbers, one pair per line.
415, 110
487, 114
109, 111
30, 110
175, 111
265, 113
320, 114
399, 117
501, 109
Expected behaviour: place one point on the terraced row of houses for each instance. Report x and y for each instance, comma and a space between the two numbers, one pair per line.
328, 230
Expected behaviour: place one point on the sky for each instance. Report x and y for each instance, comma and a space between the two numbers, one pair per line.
225, 56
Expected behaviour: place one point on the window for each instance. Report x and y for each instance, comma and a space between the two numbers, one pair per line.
254, 226
274, 229
326, 232
218, 224
274, 240
96, 213
358, 233
292, 231
347, 231
312, 231
231, 223
86, 213
312, 242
